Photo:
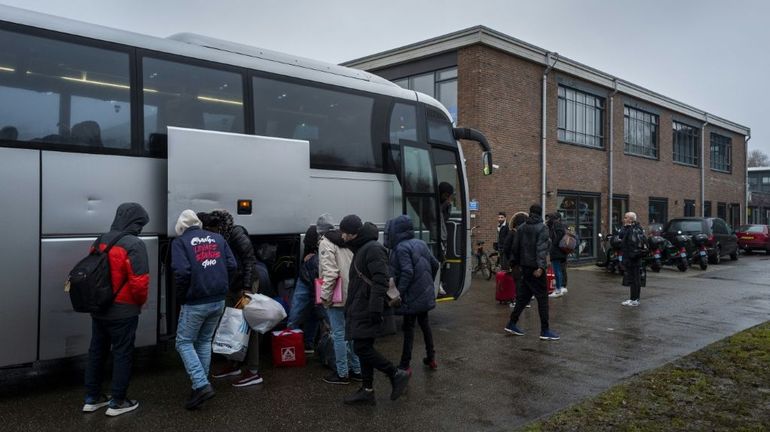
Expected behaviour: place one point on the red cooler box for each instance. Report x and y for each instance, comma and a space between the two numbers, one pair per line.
288, 348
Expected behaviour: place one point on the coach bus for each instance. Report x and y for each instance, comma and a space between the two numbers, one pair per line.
91, 117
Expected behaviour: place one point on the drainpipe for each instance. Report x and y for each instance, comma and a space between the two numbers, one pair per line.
746, 181
612, 142
703, 166
550, 66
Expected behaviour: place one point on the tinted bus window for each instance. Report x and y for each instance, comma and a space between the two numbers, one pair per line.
338, 125
439, 128
63, 93
183, 95
403, 123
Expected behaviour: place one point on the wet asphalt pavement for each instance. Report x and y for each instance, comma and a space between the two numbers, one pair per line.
487, 380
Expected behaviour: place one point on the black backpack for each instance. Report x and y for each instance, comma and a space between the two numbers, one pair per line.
90, 282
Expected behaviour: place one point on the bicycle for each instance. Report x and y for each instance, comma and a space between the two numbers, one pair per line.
483, 264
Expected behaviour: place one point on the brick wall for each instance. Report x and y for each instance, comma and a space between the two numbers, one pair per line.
500, 95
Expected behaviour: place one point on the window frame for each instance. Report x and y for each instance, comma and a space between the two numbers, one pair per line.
584, 105
721, 141
693, 135
655, 135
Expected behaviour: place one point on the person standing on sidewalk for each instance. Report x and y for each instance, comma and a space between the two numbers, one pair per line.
633, 244
367, 294
413, 268
558, 258
530, 250
334, 263
116, 327
202, 264
243, 281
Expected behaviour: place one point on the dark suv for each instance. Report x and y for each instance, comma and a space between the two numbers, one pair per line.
721, 237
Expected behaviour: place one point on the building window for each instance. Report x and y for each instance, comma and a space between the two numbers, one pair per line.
619, 209
641, 132
581, 118
707, 209
722, 210
689, 208
735, 215
765, 180
579, 214
686, 140
721, 152
658, 210
441, 84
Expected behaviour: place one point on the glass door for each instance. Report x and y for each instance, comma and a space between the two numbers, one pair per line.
452, 226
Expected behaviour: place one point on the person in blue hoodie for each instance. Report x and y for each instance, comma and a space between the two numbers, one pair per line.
202, 263
413, 268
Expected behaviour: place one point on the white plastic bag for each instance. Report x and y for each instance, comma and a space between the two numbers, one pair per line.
263, 313
232, 336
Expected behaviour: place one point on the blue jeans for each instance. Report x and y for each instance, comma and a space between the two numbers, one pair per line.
197, 324
303, 311
120, 335
558, 272
343, 350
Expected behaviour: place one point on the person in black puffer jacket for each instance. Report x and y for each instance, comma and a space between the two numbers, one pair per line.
633, 242
413, 268
364, 306
530, 252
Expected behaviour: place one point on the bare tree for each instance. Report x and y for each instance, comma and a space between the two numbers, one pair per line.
757, 158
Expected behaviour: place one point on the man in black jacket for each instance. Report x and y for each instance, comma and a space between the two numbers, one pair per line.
632, 244
530, 250
364, 306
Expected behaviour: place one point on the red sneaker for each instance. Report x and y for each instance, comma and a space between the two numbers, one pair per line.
248, 378
431, 363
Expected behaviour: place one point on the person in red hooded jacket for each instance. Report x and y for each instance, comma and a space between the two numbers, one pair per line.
115, 328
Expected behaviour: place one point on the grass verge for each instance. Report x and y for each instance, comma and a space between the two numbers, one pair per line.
723, 387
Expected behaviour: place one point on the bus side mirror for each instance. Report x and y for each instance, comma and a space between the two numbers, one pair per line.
486, 162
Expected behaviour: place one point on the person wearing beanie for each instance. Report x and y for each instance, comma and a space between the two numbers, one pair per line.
244, 280
202, 263
334, 264
367, 296
303, 312
530, 251
115, 327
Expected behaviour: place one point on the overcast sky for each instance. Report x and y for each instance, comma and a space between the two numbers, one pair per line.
713, 55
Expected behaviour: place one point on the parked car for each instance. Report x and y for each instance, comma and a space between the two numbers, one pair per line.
753, 237
654, 229
721, 241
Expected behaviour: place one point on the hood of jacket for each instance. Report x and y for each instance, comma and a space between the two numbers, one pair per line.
335, 237
130, 218
397, 230
367, 233
534, 219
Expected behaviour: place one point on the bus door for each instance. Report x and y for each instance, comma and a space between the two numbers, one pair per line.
452, 214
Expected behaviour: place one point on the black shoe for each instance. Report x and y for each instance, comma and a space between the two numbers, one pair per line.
357, 377
399, 382
198, 396
333, 378
361, 397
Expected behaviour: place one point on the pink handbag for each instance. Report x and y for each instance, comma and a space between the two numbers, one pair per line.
336, 293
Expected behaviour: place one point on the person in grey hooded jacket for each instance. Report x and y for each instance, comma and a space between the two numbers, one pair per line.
413, 268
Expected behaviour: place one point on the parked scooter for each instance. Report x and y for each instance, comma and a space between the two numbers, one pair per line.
675, 252
611, 255
700, 253
657, 246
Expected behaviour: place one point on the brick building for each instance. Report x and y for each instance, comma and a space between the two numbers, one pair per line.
759, 195
610, 146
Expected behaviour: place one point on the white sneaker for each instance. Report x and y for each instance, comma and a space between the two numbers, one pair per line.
634, 303
564, 290
626, 302
556, 293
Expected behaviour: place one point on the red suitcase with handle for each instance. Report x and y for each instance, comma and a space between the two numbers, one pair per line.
505, 289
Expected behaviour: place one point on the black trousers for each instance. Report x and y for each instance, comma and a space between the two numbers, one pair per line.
427, 335
532, 286
371, 359
633, 278
119, 335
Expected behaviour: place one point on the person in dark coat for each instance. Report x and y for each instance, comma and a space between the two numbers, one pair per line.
517, 220
530, 250
413, 268
364, 306
633, 241
242, 281
556, 231
116, 327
